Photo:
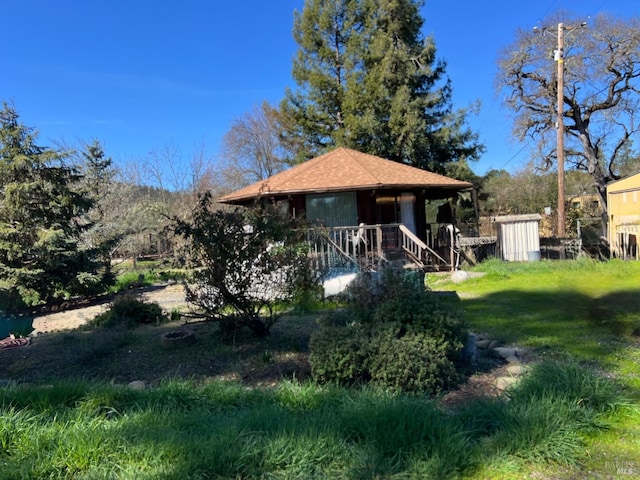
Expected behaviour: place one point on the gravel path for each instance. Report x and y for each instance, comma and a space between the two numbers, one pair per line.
168, 297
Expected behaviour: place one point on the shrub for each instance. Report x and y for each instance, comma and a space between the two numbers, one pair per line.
413, 362
370, 289
404, 340
339, 354
424, 312
129, 310
134, 279
246, 264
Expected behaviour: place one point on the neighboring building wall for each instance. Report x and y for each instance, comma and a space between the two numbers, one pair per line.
589, 203
517, 237
623, 202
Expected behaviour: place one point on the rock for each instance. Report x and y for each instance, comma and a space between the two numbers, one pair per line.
178, 338
493, 344
505, 352
517, 370
459, 276
137, 385
513, 360
483, 343
469, 350
503, 383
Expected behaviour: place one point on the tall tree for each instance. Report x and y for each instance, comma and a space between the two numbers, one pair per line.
367, 79
41, 220
600, 101
102, 233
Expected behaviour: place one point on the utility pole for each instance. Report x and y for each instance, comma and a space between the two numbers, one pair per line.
559, 57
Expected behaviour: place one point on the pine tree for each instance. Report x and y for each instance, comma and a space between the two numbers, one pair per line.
103, 230
368, 80
41, 220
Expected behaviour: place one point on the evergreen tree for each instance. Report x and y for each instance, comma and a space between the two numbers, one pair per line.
103, 227
98, 169
41, 220
369, 80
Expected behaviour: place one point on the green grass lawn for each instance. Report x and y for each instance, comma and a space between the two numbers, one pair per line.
576, 415
582, 310
585, 310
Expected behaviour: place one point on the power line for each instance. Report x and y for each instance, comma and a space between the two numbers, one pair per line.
526, 145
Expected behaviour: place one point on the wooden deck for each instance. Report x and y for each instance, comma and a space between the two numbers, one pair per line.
369, 247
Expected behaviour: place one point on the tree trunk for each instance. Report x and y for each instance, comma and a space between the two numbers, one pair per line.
599, 180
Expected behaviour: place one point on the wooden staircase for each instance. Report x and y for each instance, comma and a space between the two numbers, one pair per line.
369, 247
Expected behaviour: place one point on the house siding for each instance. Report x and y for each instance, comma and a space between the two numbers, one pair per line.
623, 203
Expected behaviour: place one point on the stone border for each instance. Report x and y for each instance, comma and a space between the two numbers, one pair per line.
512, 356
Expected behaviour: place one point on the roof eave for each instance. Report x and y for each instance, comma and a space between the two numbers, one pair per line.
377, 186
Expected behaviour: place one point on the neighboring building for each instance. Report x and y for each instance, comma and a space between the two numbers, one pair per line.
588, 203
517, 237
623, 203
370, 206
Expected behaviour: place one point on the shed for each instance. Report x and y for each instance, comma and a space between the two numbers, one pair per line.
517, 237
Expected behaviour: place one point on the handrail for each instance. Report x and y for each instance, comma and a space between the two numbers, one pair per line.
367, 245
416, 247
412, 236
356, 244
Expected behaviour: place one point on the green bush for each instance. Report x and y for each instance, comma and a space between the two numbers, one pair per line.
339, 354
404, 340
370, 289
424, 312
129, 310
134, 279
414, 362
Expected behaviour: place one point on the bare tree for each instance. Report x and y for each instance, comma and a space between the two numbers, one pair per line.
163, 186
252, 148
600, 99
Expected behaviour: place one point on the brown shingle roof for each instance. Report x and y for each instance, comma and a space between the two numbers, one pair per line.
344, 169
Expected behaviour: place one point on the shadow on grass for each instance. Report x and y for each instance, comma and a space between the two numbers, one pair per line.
563, 321
122, 355
223, 430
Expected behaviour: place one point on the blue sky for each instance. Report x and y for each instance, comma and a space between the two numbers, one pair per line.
141, 75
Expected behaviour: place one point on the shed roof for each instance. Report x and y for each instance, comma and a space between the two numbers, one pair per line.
529, 217
344, 169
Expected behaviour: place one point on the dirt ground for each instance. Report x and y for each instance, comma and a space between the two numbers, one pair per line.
169, 297
59, 350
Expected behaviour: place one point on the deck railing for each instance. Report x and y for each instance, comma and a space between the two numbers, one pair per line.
346, 247
366, 247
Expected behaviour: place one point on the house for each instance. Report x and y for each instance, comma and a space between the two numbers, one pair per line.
623, 202
588, 203
366, 209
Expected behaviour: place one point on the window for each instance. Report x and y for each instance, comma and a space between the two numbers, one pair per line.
332, 209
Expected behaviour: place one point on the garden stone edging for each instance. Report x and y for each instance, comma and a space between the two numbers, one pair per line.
512, 356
